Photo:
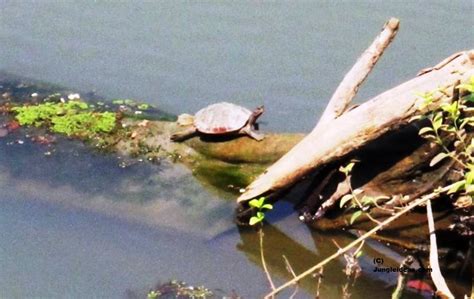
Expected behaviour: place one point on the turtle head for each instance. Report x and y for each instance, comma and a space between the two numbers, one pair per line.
255, 114
259, 110
185, 119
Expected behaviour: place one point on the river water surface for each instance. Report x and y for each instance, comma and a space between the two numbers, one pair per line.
76, 225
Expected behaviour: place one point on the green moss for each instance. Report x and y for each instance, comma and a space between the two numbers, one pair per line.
222, 175
72, 118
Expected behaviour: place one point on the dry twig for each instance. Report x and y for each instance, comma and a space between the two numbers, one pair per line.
438, 279
356, 242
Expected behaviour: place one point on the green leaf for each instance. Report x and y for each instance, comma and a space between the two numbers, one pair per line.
469, 189
437, 121
448, 128
464, 122
345, 199
469, 177
118, 102
254, 220
355, 216
347, 169
143, 106
470, 98
267, 206
358, 255
366, 200
416, 117
439, 157
255, 203
456, 186
425, 130
468, 87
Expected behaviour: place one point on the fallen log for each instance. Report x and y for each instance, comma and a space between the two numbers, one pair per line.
349, 86
352, 130
222, 164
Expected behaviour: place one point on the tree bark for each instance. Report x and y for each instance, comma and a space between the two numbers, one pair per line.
349, 86
357, 127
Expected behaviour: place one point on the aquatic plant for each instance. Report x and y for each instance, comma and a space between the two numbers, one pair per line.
72, 118
153, 294
131, 103
179, 289
361, 203
261, 206
448, 127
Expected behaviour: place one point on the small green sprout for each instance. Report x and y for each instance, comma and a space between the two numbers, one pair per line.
261, 206
362, 202
469, 87
347, 169
143, 106
153, 295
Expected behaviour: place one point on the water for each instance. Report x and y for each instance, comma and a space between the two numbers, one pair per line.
184, 55
74, 224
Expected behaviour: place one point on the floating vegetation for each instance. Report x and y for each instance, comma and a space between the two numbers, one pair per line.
179, 289
72, 118
131, 103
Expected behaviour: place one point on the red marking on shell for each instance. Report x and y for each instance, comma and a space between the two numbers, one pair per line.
220, 129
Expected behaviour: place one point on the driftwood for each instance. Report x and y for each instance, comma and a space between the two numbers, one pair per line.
352, 130
349, 86
438, 279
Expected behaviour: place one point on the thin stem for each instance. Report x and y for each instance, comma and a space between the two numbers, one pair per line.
290, 269
264, 264
405, 210
361, 207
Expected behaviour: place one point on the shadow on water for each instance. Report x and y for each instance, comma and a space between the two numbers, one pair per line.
158, 218
278, 244
73, 174
191, 230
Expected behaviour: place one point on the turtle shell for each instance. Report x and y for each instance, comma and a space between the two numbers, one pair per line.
221, 118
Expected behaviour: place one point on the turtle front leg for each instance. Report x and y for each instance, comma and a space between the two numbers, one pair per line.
252, 133
183, 135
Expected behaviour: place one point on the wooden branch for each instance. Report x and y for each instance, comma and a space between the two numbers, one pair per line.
438, 279
349, 86
356, 242
357, 127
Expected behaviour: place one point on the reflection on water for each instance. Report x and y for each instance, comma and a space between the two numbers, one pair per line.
182, 56
164, 194
74, 224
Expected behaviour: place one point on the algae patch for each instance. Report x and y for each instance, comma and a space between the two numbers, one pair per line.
72, 118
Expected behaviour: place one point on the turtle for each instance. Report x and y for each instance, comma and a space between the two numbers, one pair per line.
222, 118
